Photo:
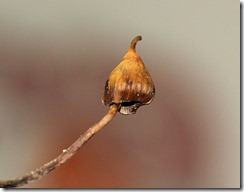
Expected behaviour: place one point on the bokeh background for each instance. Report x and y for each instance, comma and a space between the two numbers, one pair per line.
55, 57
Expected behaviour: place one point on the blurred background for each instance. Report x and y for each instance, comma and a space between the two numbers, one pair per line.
55, 57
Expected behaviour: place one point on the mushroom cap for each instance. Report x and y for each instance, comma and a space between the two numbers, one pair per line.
129, 84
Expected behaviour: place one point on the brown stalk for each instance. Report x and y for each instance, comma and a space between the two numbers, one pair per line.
128, 87
64, 156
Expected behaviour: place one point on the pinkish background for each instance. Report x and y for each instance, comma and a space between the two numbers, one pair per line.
55, 57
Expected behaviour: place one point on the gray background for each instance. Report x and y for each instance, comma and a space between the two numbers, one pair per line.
55, 57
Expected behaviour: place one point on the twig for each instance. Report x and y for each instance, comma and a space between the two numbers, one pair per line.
129, 86
63, 157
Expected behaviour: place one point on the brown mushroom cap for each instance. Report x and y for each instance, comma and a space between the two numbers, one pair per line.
129, 84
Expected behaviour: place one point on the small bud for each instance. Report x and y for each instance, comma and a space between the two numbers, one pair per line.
129, 84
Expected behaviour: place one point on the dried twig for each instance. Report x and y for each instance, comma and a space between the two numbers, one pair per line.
63, 157
128, 87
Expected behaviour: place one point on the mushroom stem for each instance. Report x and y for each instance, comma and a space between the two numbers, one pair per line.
134, 42
64, 156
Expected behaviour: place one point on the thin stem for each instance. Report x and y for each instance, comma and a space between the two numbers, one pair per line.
63, 157
134, 42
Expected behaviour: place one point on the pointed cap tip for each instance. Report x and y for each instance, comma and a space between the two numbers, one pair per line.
134, 42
